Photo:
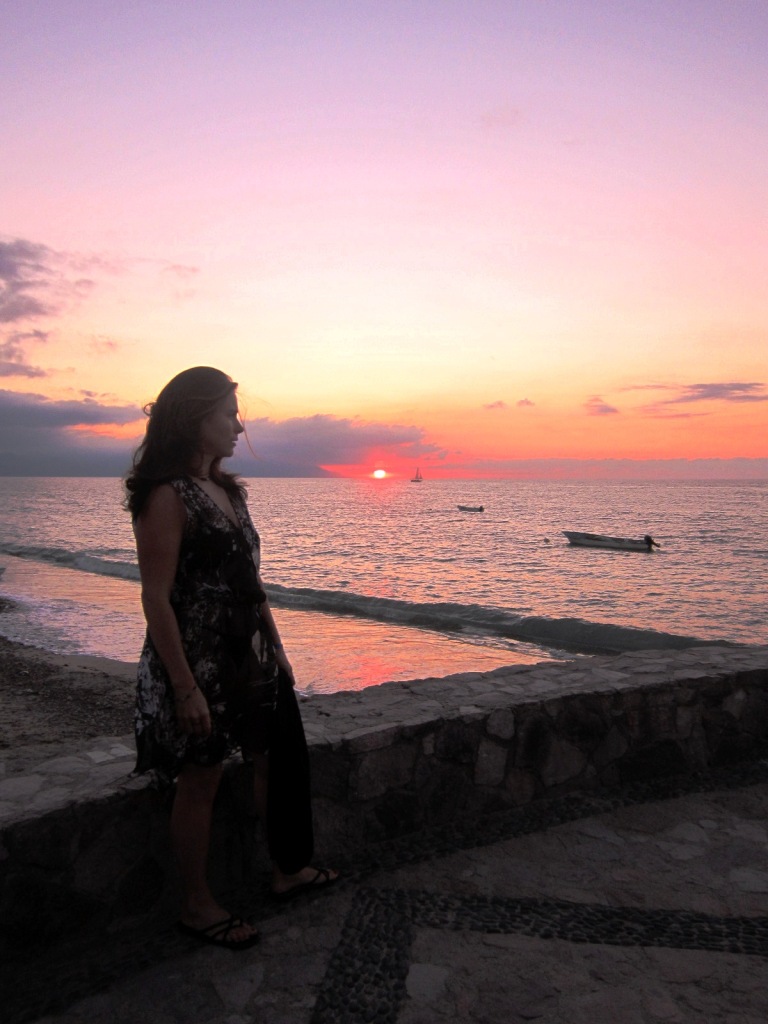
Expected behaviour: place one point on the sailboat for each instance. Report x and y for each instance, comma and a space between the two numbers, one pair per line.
417, 477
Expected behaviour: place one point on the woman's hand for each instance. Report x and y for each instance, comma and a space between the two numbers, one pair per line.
282, 662
193, 713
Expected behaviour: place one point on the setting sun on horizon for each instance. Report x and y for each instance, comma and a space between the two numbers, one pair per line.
486, 240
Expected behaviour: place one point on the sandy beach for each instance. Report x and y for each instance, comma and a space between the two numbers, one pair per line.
52, 703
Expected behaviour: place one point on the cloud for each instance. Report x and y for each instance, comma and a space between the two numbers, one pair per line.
37, 281
689, 394
40, 437
25, 273
13, 362
31, 411
722, 392
500, 405
306, 444
17, 368
61, 438
595, 406
104, 346
179, 270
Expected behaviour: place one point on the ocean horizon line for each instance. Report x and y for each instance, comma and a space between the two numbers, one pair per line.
760, 476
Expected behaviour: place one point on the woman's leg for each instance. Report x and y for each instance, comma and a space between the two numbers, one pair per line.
281, 882
191, 817
260, 783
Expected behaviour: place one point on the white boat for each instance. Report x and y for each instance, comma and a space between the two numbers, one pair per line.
599, 540
471, 508
417, 477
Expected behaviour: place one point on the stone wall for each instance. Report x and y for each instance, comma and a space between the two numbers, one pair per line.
397, 758
84, 846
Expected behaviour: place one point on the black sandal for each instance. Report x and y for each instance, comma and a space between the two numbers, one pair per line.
217, 934
321, 880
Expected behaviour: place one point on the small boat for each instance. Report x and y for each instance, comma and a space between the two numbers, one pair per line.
417, 477
471, 508
598, 540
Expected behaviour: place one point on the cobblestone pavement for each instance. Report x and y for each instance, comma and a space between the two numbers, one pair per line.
650, 906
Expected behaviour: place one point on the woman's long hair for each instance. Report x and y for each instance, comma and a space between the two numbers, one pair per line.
170, 447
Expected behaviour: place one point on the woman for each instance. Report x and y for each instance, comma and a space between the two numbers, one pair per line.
213, 674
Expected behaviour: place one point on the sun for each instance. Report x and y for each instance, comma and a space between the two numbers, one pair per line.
379, 474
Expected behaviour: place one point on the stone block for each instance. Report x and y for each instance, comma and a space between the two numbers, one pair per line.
583, 723
51, 841
520, 785
35, 909
613, 747
330, 773
564, 762
458, 740
491, 763
379, 771
112, 853
735, 703
418, 727
656, 760
663, 719
416, 724
754, 717
686, 720
534, 738
339, 830
140, 889
50, 798
398, 813
372, 737
733, 747
20, 787
425, 983
444, 790
501, 723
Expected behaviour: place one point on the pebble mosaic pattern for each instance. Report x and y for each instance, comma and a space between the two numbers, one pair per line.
370, 964
366, 974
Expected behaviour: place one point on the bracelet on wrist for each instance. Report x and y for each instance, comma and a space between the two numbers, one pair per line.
182, 700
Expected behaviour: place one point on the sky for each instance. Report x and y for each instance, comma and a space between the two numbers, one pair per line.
487, 238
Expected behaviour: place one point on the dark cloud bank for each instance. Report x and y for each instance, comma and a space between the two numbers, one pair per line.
39, 437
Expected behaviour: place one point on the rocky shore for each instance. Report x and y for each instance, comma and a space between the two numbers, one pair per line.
53, 703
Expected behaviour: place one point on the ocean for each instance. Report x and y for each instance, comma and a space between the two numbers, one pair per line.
377, 580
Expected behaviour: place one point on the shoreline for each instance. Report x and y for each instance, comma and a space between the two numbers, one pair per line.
51, 704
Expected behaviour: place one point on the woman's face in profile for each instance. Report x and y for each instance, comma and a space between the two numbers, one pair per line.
219, 430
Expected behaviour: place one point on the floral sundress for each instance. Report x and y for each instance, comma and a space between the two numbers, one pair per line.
216, 597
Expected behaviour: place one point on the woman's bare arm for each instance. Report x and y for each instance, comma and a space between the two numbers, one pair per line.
159, 531
280, 656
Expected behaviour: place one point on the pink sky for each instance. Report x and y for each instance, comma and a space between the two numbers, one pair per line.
486, 238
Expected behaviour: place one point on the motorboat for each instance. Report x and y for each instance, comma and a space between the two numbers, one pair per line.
471, 508
599, 540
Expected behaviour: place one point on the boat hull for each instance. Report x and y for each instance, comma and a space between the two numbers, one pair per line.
599, 540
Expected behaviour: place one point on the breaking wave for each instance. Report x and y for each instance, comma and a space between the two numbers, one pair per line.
469, 620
